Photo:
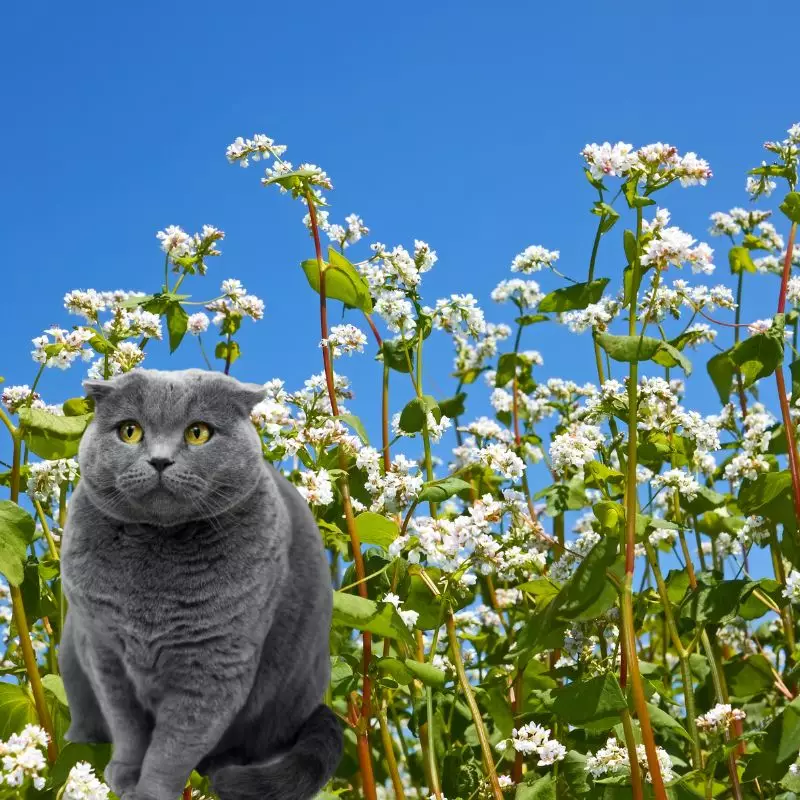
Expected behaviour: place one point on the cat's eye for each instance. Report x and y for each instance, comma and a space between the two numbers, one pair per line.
197, 433
130, 432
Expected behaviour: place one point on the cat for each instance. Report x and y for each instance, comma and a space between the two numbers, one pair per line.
199, 597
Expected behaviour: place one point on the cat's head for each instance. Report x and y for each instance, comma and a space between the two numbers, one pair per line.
167, 447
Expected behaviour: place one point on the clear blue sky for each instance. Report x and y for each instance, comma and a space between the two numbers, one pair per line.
458, 123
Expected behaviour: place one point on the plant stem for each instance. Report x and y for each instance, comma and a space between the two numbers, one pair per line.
633, 757
683, 657
21, 623
388, 749
362, 733
387, 460
466, 687
629, 654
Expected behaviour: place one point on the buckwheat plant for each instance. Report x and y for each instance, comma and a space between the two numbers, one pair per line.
542, 588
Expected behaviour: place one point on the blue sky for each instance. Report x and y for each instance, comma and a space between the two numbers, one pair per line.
459, 123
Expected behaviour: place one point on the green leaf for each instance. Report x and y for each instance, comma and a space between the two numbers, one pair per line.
748, 677
629, 244
721, 371
791, 206
585, 701
453, 407
342, 281
357, 425
52, 436
530, 319
427, 673
597, 475
353, 611
536, 788
577, 296
16, 709
16, 532
78, 406
412, 417
665, 722
397, 354
589, 587
177, 321
506, 368
779, 747
441, 490
608, 215
632, 349
376, 529
55, 686
222, 350
758, 355
740, 260
769, 495
712, 602
610, 515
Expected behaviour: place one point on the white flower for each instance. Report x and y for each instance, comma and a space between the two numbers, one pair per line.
14, 397
500, 458
83, 784
344, 340
719, 719
86, 304
260, 146
457, 311
533, 739
575, 447
175, 241
677, 479
197, 323
408, 616
524, 293
534, 258
608, 159
316, 488
674, 246
614, 759
792, 590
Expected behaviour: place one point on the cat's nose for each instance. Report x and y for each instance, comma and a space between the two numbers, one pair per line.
160, 463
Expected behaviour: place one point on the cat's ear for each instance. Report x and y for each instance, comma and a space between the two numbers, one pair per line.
97, 389
248, 395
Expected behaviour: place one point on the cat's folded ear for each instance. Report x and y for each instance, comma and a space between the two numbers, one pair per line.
247, 395
97, 389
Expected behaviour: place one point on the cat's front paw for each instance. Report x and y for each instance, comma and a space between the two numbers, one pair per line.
122, 778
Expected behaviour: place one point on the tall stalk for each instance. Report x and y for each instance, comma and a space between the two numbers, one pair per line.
630, 657
18, 609
362, 728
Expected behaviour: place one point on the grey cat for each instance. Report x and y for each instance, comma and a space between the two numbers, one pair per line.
197, 632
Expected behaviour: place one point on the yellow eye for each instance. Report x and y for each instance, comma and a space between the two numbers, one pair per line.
197, 433
130, 432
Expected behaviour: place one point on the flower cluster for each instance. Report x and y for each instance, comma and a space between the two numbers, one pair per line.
533, 739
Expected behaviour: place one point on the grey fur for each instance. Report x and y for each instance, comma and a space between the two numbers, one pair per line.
199, 612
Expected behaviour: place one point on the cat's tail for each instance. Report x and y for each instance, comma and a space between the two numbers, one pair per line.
296, 775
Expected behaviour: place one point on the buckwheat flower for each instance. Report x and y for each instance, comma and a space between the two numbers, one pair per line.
700, 333
316, 488
769, 236
136, 322
14, 397
251, 306
674, 246
46, 478
719, 719
594, 316
575, 447
65, 347
257, 148
724, 224
660, 221
613, 759
318, 176
232, 288
500, 458
757, 185
525, 294
534, 739
197, 323
396, 311
679, 480
505, 781
86, 304
83, 784
175, 241
22, 757
533, 259
408, 616
344, 340
763, 326
127, 355
692, 170
607, 159
792, 589
460, 311
424, 256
